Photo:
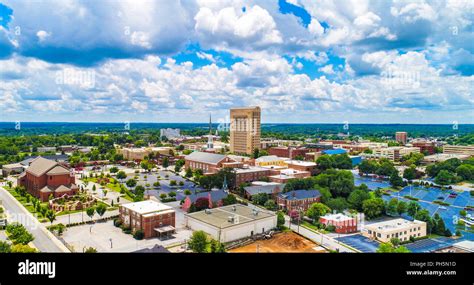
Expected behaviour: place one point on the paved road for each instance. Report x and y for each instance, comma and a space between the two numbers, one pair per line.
45, 241
319, 238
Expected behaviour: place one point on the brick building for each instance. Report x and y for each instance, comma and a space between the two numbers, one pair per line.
425, 146
290, 152
153, 218
343, 224
209, 162
46, 177
298, 200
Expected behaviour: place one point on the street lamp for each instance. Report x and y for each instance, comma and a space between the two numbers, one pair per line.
111, 245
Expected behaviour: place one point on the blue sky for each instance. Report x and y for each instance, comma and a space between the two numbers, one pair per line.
303, 61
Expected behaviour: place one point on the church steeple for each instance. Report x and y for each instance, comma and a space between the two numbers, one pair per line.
210, 143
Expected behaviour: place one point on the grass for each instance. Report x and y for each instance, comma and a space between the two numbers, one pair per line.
24, 203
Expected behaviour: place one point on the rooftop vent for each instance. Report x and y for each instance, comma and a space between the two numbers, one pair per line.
207, 211
230, 219
234, 208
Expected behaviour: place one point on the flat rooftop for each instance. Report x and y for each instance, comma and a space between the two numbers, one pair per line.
393, 224
337, 217
220, 217
301, 163
147, 207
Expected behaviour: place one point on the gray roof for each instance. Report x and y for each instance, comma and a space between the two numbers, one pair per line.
267, 189
219, 217
205, 157
40, 165
58, 170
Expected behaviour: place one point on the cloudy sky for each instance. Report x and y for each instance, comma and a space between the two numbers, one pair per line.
310, 61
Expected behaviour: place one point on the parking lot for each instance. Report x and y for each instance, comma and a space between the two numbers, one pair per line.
359, 242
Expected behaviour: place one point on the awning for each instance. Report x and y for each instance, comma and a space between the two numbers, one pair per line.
165, 229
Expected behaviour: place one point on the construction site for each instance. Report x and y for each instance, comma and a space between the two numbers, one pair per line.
286, 242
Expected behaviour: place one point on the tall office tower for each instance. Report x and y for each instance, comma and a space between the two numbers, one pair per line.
401, 137
244, 129
210, 142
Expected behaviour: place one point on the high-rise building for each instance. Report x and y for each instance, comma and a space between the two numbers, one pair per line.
401, 137
244, 129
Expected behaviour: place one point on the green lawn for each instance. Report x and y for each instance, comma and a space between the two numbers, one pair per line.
28, 206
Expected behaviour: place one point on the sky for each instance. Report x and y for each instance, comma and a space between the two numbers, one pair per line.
301, 61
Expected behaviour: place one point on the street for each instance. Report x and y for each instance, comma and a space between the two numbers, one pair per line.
44, 240
318, 238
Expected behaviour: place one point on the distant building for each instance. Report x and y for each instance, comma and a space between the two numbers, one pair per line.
396, 228
440, 157
46, 149
300, 165
287, 174
46, 177
233, 222
290, 152
250, 173
209, 162
152, 217
140, 153
391, 153
270, 160
465, 246
459, 149
244, 129
258, 187
425, 146
401, 137
343, 224
298, 200
13, 168
170, 133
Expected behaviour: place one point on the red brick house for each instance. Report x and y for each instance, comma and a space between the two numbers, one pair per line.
298, 200
153, 218
46, 177
209, 163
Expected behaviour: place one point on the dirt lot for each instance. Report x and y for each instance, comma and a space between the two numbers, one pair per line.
283, 242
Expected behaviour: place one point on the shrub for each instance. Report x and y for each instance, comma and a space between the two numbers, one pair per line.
127, 230
138, 234
117, 223
330, 228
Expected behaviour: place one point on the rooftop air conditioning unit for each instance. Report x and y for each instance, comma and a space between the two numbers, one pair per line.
234, 208
230, 219
207, 211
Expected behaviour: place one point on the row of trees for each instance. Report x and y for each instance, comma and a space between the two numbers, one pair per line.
451, 171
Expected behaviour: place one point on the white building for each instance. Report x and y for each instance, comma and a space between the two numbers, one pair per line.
170, 133
231, 222
396, 228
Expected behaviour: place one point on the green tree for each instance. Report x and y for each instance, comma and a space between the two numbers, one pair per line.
51, 216
270, 204
198, 242
444, 177
316, 210
229, 200
165, 162
280, 219
90, 212
413, 208
101, 209
121, 175
392, 207
401, 207
396, 180
357, 197
189, 172
373, 208
338, 204
325, 162
409, 173
131, 183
